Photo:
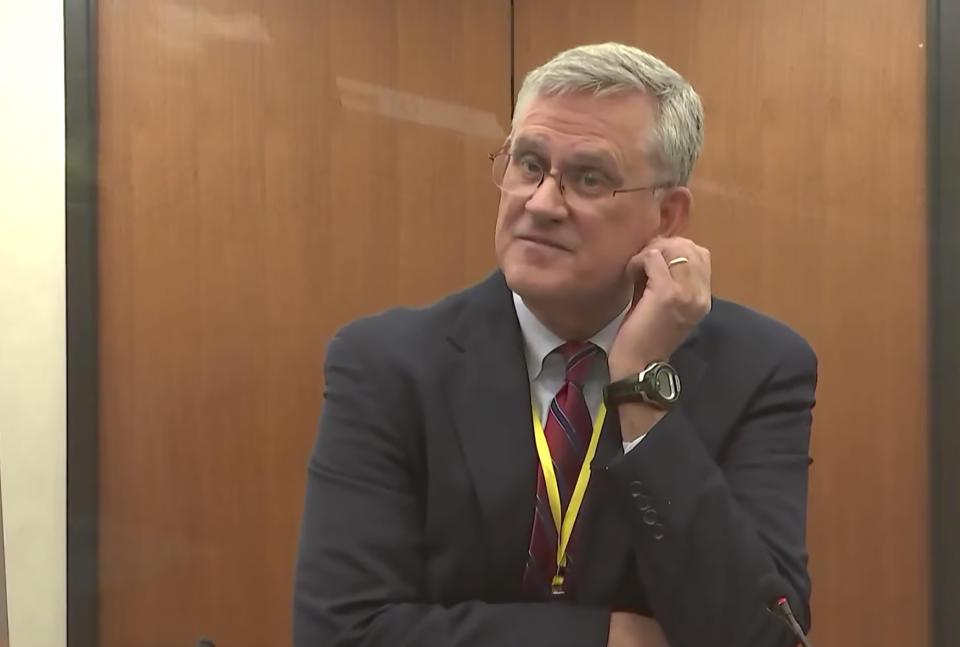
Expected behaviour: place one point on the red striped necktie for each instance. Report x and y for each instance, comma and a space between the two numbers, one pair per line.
568, 429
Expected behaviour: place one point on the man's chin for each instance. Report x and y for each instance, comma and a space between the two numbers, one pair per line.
535, 283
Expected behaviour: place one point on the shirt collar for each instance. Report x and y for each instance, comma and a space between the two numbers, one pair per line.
539, 341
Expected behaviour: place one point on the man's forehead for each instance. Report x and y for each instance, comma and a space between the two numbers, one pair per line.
631, 109
537, 140
622, 121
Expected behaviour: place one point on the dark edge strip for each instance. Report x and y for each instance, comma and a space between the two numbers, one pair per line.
80, 87
943, 52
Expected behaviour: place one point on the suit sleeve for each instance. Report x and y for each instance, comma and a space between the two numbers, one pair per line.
359, 577
708, 532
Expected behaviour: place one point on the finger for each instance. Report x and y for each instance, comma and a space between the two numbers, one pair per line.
685, 277
705, 264
683, 264
670, 249
693, 277
635, 265
637, 275
655, 267
675, 246
699, 257
678, 248
690, 278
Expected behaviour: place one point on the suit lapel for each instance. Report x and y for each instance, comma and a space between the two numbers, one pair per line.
490, 396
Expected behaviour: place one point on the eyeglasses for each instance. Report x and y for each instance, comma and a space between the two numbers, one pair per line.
521, 175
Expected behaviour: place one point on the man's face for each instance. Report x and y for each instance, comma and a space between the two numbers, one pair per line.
561, 246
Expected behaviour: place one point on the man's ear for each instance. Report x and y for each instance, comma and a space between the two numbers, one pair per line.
676, 209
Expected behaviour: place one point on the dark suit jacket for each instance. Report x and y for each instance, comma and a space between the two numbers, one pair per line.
422, 485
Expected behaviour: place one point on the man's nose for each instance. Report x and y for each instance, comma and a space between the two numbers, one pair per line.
547, 202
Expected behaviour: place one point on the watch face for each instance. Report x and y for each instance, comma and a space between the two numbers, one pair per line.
667, 383
658, 385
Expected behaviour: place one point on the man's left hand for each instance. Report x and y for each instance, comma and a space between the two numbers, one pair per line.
673, 297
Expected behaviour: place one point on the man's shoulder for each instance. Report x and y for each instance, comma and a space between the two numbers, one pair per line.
733, 328
408, 326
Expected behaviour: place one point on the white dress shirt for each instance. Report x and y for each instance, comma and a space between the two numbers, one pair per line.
547, 370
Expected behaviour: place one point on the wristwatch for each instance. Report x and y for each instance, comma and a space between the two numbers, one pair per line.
658, 384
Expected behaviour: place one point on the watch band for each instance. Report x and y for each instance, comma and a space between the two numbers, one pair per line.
658, 385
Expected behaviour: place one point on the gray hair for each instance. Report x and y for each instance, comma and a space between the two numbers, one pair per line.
609, 68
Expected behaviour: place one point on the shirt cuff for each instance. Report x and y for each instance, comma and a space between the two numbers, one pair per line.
633, 443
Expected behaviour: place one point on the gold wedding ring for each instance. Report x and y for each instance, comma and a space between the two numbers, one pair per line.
678, 260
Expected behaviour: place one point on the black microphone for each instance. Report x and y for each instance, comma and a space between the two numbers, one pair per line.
205, 642
772, 588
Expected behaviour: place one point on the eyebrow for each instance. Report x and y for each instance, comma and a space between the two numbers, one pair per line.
582, 158
601, 159
528, 142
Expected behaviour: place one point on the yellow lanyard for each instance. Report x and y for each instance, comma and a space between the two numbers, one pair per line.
564, 523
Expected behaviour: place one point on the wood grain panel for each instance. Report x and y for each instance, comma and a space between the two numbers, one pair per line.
811, 195
269, 171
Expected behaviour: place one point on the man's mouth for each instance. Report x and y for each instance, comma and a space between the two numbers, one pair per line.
546, 242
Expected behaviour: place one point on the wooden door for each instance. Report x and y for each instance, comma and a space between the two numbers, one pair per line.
268, 172
811, 195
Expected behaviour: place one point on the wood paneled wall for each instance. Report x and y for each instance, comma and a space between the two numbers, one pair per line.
811, 195
270, 171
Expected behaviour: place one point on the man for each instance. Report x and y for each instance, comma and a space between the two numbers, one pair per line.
584, 449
